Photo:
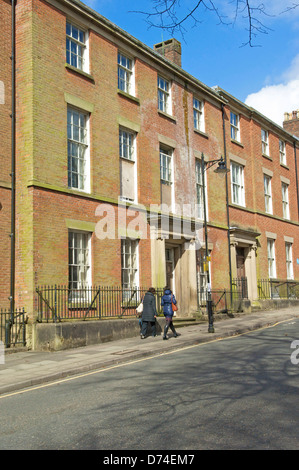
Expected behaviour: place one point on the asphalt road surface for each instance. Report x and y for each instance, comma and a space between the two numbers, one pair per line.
236, 393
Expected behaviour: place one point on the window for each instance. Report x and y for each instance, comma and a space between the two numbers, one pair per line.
289, 261
285, 201
76, 50
234, 127
129, 264
126, 144
265, 142
78, 157
164, 95
203, 267
125, 74
199, 190
237, 184
79, 260
128, 175
271, 258
268, 194
282, 152
165, 166
198, 117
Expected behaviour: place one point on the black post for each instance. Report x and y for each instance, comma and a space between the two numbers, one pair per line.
13, 164
209, 299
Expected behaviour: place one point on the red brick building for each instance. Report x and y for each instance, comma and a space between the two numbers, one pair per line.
106, 126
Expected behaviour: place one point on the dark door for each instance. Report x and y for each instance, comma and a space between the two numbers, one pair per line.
240, 263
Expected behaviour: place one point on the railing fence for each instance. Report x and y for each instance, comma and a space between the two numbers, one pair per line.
56, 303
13, 327
278, 289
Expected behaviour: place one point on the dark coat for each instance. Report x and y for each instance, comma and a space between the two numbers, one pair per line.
149, 307
166, 303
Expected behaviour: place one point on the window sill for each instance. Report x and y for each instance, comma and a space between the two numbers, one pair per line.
238, 206
79, 72
128, 96
236, 142
284, 166
267, 156
203, 134
166, 115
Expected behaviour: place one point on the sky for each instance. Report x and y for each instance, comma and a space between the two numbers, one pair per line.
264, 76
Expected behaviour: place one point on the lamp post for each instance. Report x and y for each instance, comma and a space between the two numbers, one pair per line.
222, 169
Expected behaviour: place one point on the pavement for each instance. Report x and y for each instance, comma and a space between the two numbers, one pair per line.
23, 369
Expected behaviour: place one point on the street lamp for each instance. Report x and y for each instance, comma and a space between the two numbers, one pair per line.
221, 169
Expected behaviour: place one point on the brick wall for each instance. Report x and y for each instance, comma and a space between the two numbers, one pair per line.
44, 201
5, 150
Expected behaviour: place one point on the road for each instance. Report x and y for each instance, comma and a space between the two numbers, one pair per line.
235, 393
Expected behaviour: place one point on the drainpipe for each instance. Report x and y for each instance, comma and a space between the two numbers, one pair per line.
227, 209
13, 164
296, 172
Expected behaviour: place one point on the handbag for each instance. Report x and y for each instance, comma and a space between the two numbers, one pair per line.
173, 306
139, 309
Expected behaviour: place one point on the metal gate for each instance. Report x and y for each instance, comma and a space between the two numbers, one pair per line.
13, 328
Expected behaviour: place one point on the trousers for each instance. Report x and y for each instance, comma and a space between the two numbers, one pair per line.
170, 325
144, 327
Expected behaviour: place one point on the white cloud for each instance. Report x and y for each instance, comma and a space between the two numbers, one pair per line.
274, 100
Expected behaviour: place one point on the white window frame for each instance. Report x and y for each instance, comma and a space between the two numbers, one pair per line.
164, 95
77, 47
127, 144
199, 191
128, 151
282, 152
285, 200
78, 149
198, 115
166, 166
237, 184
235, 126
79, 259
268, 194
271, 258
129, 263
125, 74
289, 260
265, 142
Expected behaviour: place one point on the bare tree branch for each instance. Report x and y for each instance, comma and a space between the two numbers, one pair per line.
173, 16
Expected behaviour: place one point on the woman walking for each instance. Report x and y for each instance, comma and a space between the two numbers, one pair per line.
166, 303
149, 313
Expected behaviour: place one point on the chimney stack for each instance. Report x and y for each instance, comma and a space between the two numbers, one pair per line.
291, 122
171, 50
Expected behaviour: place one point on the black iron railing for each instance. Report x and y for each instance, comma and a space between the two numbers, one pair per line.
278, 289
223, 300
13, 327
57, 303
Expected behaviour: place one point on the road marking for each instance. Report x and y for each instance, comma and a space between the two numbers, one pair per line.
124, 364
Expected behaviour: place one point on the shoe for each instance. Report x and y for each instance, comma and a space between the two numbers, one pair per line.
176, 335
164, 337
142, 336
154, 336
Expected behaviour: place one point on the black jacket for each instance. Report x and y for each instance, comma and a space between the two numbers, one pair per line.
149, 307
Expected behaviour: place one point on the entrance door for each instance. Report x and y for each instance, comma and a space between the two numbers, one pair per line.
242, 280
169, 255
240, 262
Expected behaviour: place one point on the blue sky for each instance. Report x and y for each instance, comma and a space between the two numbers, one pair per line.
265, 77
